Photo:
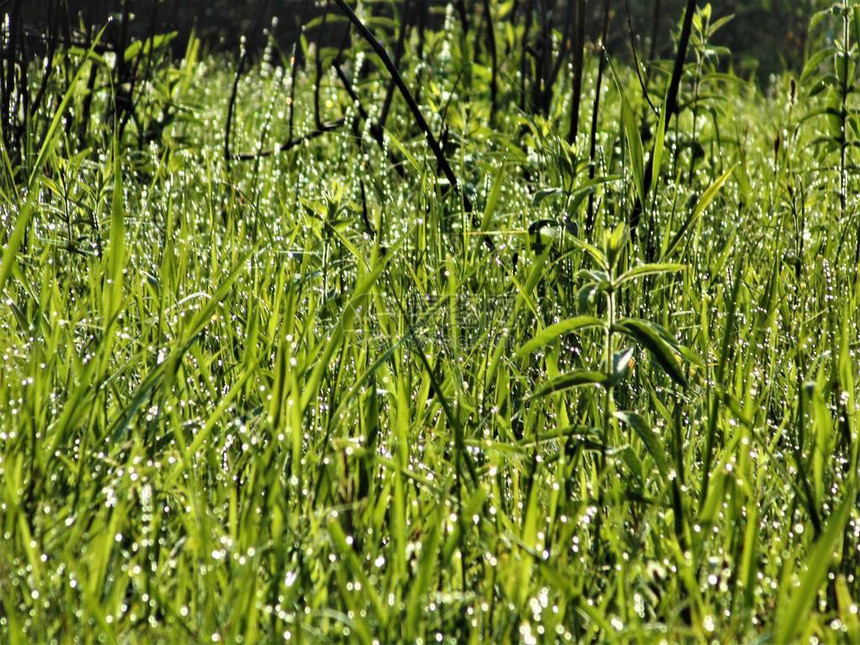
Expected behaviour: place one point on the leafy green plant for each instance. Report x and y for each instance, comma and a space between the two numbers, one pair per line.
831, 74
601, 288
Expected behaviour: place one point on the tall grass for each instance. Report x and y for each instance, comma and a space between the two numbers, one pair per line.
296, 395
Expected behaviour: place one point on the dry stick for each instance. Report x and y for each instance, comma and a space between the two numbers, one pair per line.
121, 98
53, 37
422, 25
419, 53
365, 217
578, 56
293, 142
601, 68
7, 95
464, 15
86, 109
512, 22
671, 108
407, 96
147, 71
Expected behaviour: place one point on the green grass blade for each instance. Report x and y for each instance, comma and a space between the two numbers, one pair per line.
551, 333
795, 612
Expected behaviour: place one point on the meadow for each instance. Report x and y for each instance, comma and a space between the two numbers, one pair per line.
307, 346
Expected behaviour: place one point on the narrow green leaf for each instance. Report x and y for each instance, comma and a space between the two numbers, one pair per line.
13, 243
659, 145
422, 578
167, 368
566, 381
544, 194
652, 443
115, 257
791, 620
704, 202
814, 61
549, 334
634, 147
649, 269
647, 335
586, 296
616, 243
594, 252
493, 198
359, 294
344, 550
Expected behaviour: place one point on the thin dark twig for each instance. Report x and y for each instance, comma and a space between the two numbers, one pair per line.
578, 57
654, 26
542, 91
290, 144
494, 61
375, 130
407, 96
464, 15
524, 63
566, 45
399, 48
231, 106
671, 105
47, 72
318, 66
595, 110
294, 66
365, 217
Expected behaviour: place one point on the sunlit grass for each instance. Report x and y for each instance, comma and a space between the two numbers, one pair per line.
301, 397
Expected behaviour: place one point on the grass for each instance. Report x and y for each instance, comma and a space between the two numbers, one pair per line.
302, 396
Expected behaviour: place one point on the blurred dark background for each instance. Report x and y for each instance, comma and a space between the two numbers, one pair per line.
766, 36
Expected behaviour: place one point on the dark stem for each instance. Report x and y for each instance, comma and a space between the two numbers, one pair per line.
407, 96
595, 111
524, 50
464, 15
375, 131
318, 66
398, 55
655, 25
671, 106
294, 66
566, 44
231, 106
578, 56
494, 66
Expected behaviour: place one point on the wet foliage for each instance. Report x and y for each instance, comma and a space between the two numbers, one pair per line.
369, 344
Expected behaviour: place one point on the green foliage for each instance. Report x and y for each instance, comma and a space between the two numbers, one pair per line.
320, 394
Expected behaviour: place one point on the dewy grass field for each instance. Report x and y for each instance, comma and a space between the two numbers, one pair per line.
349, 388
